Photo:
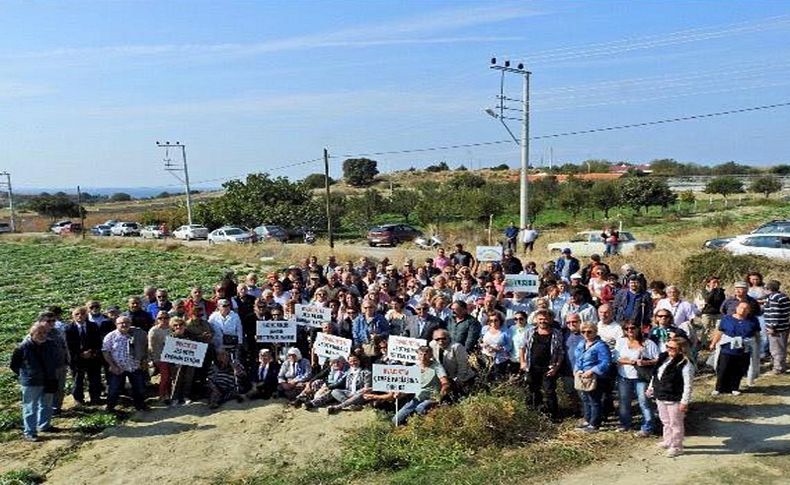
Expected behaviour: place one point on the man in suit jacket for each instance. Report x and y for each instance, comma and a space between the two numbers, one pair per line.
84, 343
264, 379
424, 325
455, 360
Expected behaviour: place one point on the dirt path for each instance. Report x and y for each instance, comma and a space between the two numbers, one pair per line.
197, 445
746, 439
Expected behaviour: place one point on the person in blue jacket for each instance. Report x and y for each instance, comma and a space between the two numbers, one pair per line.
368, 324
566, 265
592, 357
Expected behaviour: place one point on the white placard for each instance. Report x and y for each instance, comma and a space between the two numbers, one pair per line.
526, 283
404, 349
396, 378
184, 352
312, 315
328, 346
489, 253
275, 331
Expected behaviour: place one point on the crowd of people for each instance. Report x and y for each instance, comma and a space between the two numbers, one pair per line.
603, 337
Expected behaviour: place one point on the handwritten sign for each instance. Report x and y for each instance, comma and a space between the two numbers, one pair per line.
396, 378
275, 331
312, 316
526, 283
489, 253
184, 352
404, 349
329, 346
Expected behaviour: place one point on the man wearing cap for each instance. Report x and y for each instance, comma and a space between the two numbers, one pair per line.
510, 263
566, 265
740, 294
576, 284
777, 325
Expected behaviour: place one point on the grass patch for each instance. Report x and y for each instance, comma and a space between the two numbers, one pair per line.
94, 423
21, 477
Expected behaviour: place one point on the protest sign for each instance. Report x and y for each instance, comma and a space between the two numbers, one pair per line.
489, 253
527, 283
312, 315
184, 352
275, 331
396, 378
404, 349
328, 346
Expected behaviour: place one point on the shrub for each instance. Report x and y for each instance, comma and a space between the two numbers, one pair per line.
21, 477
727, 267
10, 418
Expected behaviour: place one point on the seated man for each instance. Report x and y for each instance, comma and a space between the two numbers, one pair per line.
358, 381
455, 361
222, 381
264, 379
434, 385
322, 384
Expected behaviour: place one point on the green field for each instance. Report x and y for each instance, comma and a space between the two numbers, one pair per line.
39, 273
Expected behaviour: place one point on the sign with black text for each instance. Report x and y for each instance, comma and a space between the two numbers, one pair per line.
329, 346
183, 352
396, 378
489, 253
312, 315
524, 283
404, 349
275, 331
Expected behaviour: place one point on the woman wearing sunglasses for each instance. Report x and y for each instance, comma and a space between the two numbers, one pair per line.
592, 359
635, 358
671, 387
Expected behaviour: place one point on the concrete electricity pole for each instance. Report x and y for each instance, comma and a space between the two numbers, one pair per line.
499, 114
7, 184
172, 168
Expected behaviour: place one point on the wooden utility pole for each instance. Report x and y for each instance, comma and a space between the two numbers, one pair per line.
328, 204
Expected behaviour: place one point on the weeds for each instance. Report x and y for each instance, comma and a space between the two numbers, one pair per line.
94, 423
21, 477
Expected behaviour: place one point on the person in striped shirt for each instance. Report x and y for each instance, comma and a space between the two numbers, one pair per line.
776, 312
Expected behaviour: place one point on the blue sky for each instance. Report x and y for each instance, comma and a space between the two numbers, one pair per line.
86, 88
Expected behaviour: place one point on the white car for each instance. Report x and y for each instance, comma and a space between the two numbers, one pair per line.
126, 229
587, 243
772, 245
152, 232
58, 226
190, 232
229, 234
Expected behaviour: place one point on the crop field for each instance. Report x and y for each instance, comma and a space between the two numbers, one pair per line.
40, 273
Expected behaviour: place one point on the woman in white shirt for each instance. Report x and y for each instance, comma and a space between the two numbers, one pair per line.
635, 360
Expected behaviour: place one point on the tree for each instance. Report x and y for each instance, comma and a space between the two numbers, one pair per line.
55, 206
162, 195
362, 209
605, 195
461, 168
500, 167
780, 169
360, 172
402, 202
766, 185
724, 185
687, 197
545, 187
638, 192
120, 197
573, 198
732, 168
466, 180
316, 181
440, 167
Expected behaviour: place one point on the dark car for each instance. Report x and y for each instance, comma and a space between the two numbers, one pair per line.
392, 234
271, 233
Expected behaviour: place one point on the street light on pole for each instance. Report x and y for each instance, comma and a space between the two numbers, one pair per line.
172, 168
524, 140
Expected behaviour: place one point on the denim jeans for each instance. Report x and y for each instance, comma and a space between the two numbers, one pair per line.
411, 407
36, 409
592, 403
627, 388
136, 381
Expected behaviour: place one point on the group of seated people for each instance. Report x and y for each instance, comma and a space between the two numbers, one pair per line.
598, 334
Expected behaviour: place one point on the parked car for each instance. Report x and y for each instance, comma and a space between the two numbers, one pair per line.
587, 243
271, 233
69, 229
190, 232
58, 226
392, 234
101, 230
5, 227
229, 234
154, 232
777, 226
126, 229
771, 245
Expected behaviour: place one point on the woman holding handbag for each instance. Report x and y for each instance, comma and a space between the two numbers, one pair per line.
635, 359
671, 387
592, 365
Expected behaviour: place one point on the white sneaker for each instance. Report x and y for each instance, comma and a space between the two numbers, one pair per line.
662, 444
673, 452
736, 393
714, 393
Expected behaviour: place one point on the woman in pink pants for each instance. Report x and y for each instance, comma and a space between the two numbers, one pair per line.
671, 387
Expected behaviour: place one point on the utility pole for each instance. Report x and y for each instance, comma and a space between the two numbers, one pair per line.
82, 213
173, 168
7, 184
524, 140
328, 204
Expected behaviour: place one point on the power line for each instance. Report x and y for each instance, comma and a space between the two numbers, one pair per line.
578, 132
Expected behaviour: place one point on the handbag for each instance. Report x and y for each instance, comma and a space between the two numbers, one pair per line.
585, 384
644, 372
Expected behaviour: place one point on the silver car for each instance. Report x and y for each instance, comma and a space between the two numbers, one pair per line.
229, 235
